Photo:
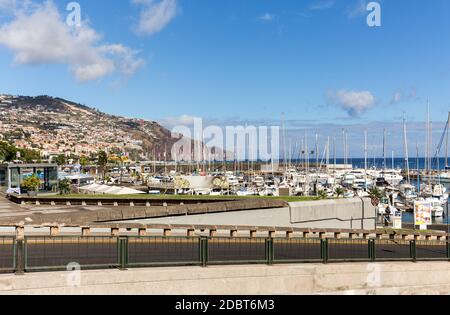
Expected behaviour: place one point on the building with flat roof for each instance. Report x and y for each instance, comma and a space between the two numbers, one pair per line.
12, 175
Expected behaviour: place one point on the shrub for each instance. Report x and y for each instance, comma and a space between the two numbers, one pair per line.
64, 186
31, 183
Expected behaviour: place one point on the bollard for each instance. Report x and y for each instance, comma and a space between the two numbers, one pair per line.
147, 204
272, 234
190, 232
233, 233
289, 234
142, 232
212, 233
116, 204
167, 232
131, 204
337, 235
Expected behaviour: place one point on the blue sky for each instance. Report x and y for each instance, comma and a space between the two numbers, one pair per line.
240, 60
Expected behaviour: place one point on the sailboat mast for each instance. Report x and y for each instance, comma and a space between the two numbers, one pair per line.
307, 163
365, 159
446, 142
405, 135
384, 150
317, 150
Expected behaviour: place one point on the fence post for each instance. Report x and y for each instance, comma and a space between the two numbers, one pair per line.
324, 250
20, 257
269, 251
204, 251
413, 246
372, 252
123, 253
448, 248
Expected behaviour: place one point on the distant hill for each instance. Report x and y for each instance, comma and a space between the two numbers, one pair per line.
56, 126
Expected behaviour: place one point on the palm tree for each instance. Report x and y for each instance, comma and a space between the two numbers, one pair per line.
102, 161
64, 186
323, 194
339, 191
375, 192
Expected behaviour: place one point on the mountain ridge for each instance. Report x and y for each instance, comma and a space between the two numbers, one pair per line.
55, 125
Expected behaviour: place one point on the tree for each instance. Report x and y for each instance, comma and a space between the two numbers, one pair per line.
323, 194
102, 161
8, 153
64, 186
339, 192
61, 160
375, 192
84, 161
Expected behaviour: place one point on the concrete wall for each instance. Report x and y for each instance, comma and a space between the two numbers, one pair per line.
350, 278
333, 214
356, 213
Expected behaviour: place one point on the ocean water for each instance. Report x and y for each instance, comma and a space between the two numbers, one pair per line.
414, 163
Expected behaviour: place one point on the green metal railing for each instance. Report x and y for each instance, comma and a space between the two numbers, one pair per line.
56, 253
7, 254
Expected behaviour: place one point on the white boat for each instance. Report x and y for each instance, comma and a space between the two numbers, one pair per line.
392, 177
259, 181
437, 209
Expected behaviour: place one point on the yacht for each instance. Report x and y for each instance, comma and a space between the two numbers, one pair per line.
393, 177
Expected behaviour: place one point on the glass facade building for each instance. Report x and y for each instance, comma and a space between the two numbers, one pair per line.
12, 175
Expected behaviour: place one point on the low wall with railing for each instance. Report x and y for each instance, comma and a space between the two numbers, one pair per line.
207, 245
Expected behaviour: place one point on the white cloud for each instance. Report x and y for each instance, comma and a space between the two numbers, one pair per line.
357, 10
155, 16
322, 5
267, 17
355, 103
397, 97
183, 120
400, 96
40, 36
